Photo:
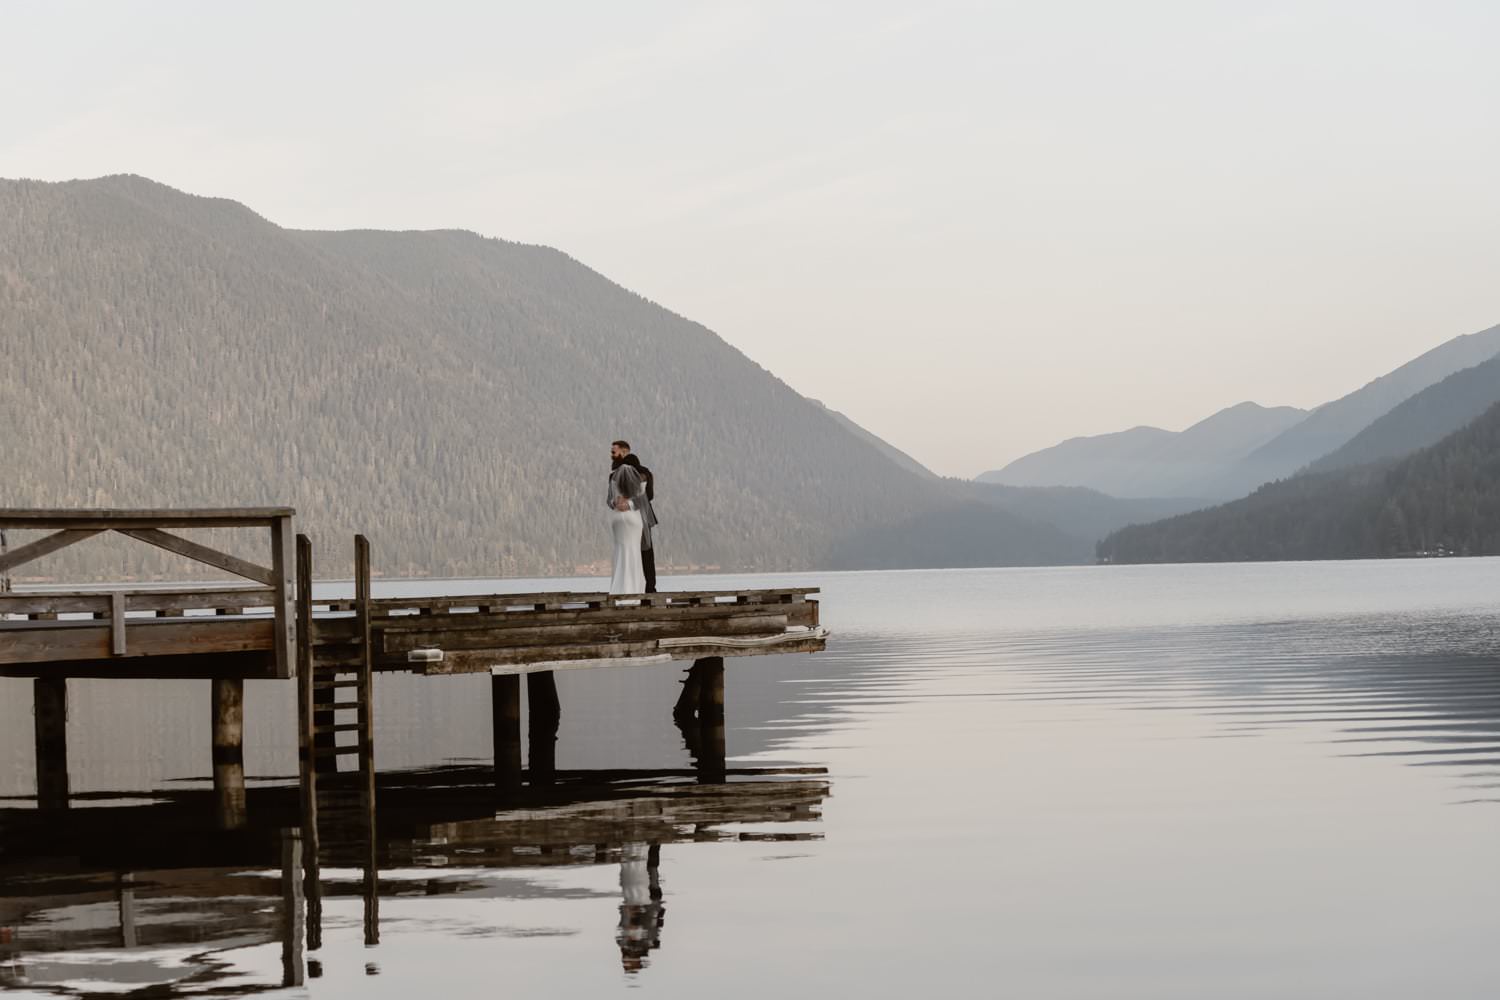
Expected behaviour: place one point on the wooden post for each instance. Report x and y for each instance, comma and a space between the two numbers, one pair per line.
711, 767
50, 701
283, 598
366, 679
125, 889
505, 700
546, 714
711, 688
117, 624
229, 751
541, 695
362, 588
307, 764
291, 908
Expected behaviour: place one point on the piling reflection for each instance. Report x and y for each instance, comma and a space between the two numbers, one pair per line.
159, 899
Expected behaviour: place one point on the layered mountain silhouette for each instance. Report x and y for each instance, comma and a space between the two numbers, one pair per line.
451, 396
1334, 424
1442, 499
1151, 462
1422, 420
1221, 458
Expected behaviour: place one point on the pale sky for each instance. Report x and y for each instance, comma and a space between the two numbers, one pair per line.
976, 228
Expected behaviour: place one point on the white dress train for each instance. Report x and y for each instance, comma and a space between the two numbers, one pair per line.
629, 576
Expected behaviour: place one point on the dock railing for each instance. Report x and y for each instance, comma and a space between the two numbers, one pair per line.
70, 527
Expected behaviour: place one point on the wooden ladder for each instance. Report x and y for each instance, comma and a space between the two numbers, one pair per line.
337, 773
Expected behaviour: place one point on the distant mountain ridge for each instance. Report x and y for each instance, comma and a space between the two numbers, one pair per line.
1150, 461
1153, 462
1334, 424
1423, 420
1442, 498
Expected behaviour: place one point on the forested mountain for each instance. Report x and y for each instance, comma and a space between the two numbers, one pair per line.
451, 396
1151, 462
1446, 496
895, 454
996, 525
1081, 513
1334, 424
1424, 419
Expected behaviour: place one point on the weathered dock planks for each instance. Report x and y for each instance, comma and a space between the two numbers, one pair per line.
334, 648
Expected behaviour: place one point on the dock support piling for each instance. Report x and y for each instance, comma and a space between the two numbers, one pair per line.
711, 741
541, 695
229, 751
711, 688
307, 763
699, 713
687, 702
505, 700
291, 908
50, 701
363, 586
546, 714
125, 890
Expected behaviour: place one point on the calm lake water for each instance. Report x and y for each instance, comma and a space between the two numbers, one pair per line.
1161, 782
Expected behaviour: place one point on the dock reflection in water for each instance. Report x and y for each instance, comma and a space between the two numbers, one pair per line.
154, 898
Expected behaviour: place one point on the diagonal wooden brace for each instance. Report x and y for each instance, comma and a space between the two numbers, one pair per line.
44, 546
201, 553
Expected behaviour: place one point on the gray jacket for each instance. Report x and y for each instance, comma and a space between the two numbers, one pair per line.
627, 482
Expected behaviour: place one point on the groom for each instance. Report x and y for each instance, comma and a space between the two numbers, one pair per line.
620, 454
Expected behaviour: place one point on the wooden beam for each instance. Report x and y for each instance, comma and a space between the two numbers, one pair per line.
44, 546
199, 666
550, 600
522, 660
202, 553
160, 601
574, 634
795, 614
90, 640
106, 519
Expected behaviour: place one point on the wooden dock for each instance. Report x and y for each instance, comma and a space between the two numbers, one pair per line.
273, 628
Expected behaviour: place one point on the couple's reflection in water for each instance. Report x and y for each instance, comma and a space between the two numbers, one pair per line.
642, 913
151, 898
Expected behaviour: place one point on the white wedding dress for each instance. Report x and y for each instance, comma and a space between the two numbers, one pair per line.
629, 575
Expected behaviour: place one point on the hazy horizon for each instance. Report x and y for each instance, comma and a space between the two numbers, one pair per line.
975, 229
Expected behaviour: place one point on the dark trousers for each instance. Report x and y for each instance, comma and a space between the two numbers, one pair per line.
648, 563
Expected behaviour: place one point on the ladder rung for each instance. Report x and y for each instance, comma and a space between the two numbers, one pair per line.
326, 685
346, 727
334, 751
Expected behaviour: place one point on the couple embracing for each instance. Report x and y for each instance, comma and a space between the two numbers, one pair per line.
631, 490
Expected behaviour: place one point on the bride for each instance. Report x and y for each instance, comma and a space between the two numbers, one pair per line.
626, 494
